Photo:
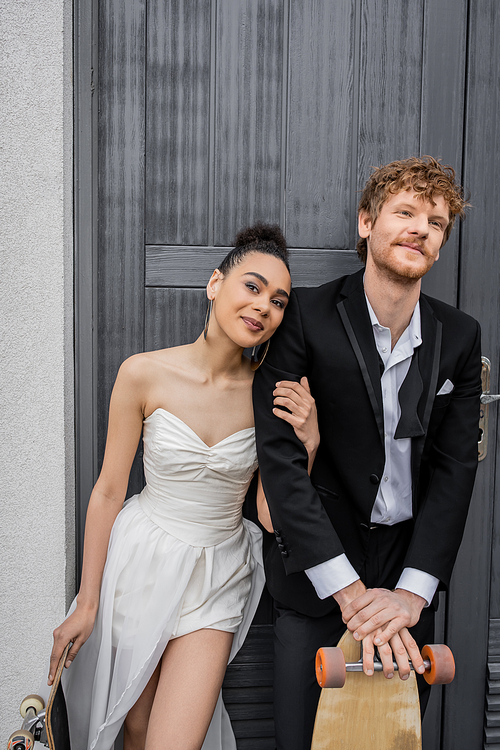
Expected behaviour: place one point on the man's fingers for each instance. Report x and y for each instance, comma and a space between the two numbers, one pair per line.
368, 655
387, 659
391, 629
401, 656
378, 609
358, 604
385, 654
412, 650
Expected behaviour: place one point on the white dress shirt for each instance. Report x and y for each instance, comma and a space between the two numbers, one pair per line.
393, 503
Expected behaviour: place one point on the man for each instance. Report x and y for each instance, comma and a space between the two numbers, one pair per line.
371, 535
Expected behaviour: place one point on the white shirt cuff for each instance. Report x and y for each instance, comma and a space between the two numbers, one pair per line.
419, 583
332, 575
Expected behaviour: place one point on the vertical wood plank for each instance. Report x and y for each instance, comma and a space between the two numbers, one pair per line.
442, 117
247, 115
479, 295
390, 83
321, 58
174, 316
121, 192
177, 116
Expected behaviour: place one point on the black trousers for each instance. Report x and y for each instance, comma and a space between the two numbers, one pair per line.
298, 637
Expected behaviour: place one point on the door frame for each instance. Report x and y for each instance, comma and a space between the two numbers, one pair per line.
85, 111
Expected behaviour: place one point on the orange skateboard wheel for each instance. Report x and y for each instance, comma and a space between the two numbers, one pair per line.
442, 664
330, 667
21, 739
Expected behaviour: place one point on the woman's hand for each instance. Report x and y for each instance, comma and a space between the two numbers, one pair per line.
301, 414
76, 628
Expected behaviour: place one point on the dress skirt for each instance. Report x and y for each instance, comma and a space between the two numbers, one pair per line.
156, 587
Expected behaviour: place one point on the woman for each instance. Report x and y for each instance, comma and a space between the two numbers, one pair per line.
157, 610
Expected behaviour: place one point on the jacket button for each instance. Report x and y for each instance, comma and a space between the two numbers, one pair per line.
374, 479
279, 538
284, 553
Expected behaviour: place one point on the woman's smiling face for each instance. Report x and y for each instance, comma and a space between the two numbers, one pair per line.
250, 300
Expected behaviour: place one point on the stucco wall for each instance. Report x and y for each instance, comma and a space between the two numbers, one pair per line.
36, 329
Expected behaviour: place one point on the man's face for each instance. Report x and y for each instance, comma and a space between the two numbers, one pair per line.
405, 239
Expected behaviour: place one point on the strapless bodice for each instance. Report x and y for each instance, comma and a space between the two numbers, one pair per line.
195, 491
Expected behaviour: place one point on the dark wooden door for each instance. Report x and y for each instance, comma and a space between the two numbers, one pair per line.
212, 114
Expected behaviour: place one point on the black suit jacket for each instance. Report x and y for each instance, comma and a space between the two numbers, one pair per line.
327, 335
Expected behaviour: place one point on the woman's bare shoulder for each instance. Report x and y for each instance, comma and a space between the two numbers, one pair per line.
147, 366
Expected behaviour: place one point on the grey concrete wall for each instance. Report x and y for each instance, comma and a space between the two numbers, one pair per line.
36, 329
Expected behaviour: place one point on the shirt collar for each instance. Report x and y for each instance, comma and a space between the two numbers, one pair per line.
414, 331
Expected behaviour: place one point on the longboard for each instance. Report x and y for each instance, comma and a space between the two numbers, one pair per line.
372, 713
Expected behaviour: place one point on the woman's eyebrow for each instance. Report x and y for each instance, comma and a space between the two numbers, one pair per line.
266, 282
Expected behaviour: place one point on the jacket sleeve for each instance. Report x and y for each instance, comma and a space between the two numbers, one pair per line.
303, 531
451, 469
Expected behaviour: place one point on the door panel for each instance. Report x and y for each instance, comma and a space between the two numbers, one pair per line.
216, 113
320, 111
178, 122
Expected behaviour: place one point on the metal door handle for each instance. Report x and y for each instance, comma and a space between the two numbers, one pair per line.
486, 399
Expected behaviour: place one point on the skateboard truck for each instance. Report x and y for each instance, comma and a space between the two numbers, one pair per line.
331, 666
32, 709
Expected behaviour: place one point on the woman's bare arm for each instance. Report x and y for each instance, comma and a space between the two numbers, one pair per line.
106, 501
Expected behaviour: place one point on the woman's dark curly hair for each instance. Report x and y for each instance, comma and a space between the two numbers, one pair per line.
261, 238
425, 175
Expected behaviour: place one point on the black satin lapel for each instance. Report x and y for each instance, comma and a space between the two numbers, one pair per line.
354, 315
429, 359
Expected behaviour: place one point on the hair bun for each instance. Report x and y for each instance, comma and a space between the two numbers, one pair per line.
261, 236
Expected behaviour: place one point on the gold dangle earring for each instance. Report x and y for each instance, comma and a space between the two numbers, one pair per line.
207, 318
255, 362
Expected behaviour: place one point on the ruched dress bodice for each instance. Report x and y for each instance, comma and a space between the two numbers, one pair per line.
195, 491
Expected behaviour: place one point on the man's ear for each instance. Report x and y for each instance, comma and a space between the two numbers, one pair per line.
214, 283
364, 224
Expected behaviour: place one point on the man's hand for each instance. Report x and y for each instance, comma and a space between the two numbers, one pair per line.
382, 610
401, 648
380, 618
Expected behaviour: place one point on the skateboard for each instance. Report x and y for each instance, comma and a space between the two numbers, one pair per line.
46, 724
371, 713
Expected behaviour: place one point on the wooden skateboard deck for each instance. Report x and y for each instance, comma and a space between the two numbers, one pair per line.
56, 716
368, 713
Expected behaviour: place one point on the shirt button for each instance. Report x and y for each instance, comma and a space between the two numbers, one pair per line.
386, 479
384, 349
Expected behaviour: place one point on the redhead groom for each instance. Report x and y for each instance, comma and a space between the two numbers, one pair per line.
372, 534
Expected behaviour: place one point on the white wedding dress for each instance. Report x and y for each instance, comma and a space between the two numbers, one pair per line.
180, 558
